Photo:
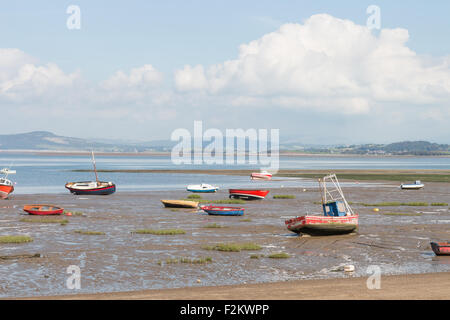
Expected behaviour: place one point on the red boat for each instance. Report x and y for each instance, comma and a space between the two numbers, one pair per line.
263, 175
337, 218
6, 186
43, 209
441, 248
249, 194
322, 225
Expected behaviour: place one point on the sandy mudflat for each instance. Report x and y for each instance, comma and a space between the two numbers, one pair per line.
395, 238
432, 286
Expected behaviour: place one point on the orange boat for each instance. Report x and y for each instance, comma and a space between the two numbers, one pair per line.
6, 186
43, 209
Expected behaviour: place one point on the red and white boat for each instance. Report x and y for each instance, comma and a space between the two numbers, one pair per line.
337, 218
263, 175
249, 194
43, 209
6, 186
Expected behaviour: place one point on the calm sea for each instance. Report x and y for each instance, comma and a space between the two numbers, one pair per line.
49, 173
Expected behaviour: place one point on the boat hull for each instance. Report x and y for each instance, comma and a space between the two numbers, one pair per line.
223, 211
202, 190
322, 225
43, 210
100, 191
249, 194
411, 187
260, 176
5, 191
441, 248
179, 204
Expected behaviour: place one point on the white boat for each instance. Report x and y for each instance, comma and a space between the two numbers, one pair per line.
6, 186
204, 187
263, 175
412, 186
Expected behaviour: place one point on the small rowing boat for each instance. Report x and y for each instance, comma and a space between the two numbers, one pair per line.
202, 188
43, 209
337, 218
223, 211
263, 175
249, 194
412, 186
179, 203
441, 248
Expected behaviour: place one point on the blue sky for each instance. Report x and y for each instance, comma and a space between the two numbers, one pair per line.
122, 35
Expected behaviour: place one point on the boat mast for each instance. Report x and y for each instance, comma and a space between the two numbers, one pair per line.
95, 169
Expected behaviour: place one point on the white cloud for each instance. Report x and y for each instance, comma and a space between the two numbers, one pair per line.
143, 78
21, 79
325, 64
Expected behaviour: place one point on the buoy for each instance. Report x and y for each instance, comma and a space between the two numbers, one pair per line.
349, 268
198, 280
376, 209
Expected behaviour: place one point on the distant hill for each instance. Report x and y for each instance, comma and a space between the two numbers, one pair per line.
43, 140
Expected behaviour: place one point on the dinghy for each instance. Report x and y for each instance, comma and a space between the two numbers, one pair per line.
337, 218
441, 248
249, 194
223, 211
412, 186
263, 175
179, 203
43, 209
202, 188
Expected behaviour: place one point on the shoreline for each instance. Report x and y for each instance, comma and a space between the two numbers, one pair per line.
166, 154
425, 286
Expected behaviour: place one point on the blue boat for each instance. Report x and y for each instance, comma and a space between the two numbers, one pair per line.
202, 188
223, 211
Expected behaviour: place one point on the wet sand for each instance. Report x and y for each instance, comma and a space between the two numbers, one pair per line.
122, 261
432, 286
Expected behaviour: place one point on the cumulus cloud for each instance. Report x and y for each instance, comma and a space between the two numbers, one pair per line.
324, 64
143, 77
21, 78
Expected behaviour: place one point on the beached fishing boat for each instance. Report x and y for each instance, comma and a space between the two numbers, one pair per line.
249, 194
338, 217
179, 203
441, 248
202, 188
91, 187
412, 186
223, 211
6, 185
263, 175
43, 209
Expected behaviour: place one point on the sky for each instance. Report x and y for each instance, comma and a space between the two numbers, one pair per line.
138, 70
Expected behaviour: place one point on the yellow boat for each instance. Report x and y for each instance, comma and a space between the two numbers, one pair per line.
180, 203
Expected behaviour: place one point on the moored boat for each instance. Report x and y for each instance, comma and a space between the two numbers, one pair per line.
6, 185
441, 248
338, 217
179, 203
202, 188
91, 187
43, 209
223, 211
249, 194
412, 186
263, 175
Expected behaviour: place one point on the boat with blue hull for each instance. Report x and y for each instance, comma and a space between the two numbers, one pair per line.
223, 211
202, 188
96, 188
